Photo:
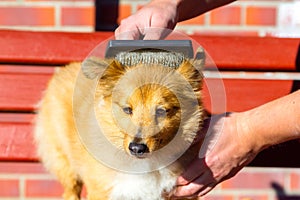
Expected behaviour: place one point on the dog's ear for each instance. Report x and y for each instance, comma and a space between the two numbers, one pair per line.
199, 60
92, 67
192, 69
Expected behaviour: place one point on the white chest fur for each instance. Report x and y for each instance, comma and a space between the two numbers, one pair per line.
147, 186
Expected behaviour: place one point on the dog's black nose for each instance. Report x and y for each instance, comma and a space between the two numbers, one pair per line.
138, 149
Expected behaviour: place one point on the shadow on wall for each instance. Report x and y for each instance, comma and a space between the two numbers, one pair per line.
281, 194
106, 16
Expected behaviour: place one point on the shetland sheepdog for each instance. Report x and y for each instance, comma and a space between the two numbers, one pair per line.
124, 132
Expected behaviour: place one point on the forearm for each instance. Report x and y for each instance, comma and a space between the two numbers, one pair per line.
188, 9
275, 122
235, 139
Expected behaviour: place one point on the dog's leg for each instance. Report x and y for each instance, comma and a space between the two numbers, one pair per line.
96, 190
72, 191
58, 164
70, 181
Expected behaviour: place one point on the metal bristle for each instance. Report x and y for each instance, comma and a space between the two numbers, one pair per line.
168, 59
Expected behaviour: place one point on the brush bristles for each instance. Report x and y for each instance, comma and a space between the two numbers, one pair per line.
168, 59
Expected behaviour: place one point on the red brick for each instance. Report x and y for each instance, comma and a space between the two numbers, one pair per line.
194, 21
217, 197
78, 16
9, 188
254, 180
295, 181
226, 16
261, 16
124, 12
227, 33
27, 16
64, 0
43, 188
253, 197
16, 141
21, 167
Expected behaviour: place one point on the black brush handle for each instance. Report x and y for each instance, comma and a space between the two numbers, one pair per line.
180, 46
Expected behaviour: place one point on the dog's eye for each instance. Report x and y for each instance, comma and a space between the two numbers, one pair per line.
127, 110
160, 112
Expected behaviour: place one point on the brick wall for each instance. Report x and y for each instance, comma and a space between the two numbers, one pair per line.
53, 15
244, 17
27, 181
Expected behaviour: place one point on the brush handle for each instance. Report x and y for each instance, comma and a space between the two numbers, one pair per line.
179, 46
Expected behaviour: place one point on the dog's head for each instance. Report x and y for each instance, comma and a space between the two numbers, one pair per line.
143, 107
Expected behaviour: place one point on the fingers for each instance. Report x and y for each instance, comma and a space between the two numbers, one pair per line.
207, 189
136, 33
197, 180
195, 169
198, 187
190, 189
149, 23
127, 33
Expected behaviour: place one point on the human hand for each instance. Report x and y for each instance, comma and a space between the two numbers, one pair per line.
226, 149
154, 21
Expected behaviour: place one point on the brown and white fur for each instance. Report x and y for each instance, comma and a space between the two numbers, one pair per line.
141, 106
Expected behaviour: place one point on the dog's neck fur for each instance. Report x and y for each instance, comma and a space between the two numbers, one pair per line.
155, 185
148, 186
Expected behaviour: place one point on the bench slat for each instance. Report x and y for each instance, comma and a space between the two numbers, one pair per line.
242, 94
16, 142
21, 87
252, 53
231, 52
47, 47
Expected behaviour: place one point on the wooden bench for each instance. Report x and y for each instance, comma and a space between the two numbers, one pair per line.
254, 70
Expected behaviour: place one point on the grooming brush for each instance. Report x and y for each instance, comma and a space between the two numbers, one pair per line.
169, 53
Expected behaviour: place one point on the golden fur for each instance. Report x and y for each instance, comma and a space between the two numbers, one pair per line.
151, 105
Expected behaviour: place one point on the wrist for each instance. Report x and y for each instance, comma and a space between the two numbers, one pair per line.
249, 124
252, 140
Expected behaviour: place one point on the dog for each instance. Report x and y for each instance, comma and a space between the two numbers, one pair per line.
124, 132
